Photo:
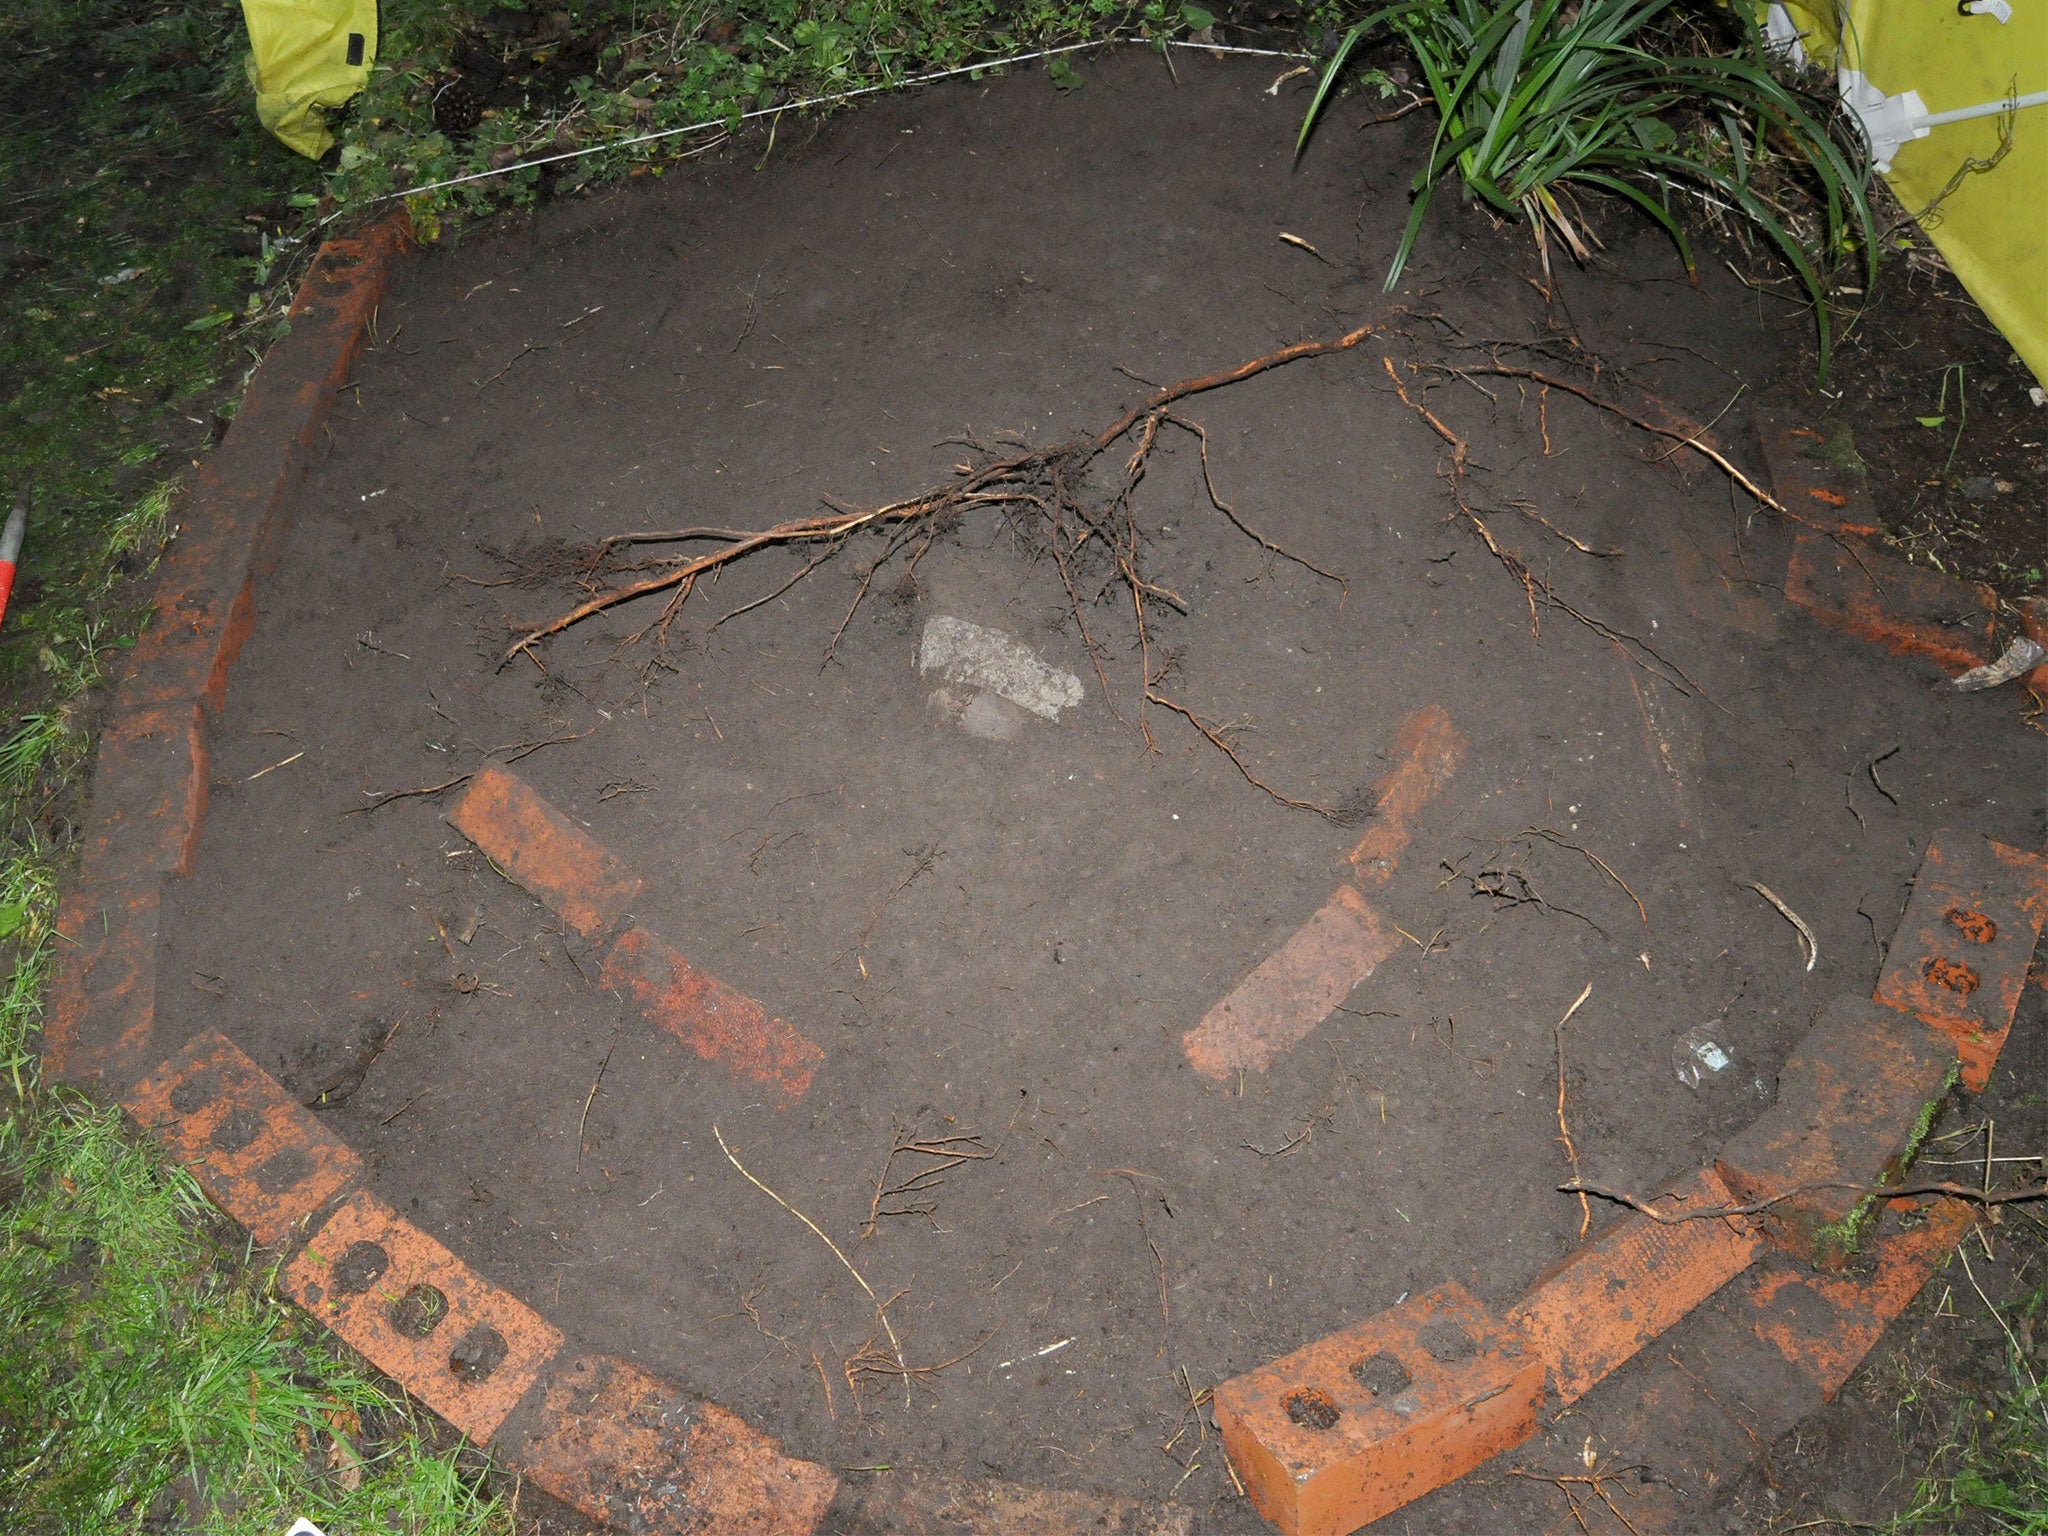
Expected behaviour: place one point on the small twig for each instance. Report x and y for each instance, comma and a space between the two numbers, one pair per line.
1217, 741
591, 1098
1302, 245
1942, 1187
529, 347
508, 754
282, 763
1688, 440
1596, 1481
1209, 484
1598, 863
1871, 769
408, 1104
946, 1154
1807, 941
1564, 1132
406, 794
881, 1311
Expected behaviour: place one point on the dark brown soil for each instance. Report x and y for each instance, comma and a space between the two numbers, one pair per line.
1936, 405
1007, 938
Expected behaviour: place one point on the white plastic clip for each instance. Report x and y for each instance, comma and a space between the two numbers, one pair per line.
1996, 8
1887, 121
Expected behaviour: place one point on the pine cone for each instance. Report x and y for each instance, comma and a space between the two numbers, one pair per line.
457, 106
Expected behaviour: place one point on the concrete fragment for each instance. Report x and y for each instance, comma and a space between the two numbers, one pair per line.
967, 653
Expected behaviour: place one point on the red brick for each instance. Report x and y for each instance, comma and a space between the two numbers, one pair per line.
556, 860
1427, 752
205, 605
1849, 1100
459, 1344
1293, 989
101, 1024
1602, 1303
708, 1016
1815, 484
1825, 1324
1851, 586
1359, 1423
256, 1151
148, 793
633, 1453
1959, 959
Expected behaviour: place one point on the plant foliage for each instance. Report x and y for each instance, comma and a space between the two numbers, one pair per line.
1536, 100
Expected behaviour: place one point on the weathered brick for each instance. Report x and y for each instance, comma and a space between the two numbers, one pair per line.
1818, 482
1825, 1324
100, 1028
708, 1016
1850, 1099
1959, 959
635, 1454
1849, 585
1603, 1302
1293, 989
459, 1344
256, 1151
562, 865
1427, 751
149, 786
1359, 1423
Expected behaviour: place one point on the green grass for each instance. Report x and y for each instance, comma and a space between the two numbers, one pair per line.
1990, 1474
147, 1369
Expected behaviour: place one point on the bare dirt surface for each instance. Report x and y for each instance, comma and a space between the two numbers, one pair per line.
996, 926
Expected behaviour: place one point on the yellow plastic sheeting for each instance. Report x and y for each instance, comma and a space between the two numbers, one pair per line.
1993, 228
307, 55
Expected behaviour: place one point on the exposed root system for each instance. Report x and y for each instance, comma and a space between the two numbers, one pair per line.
1092, 537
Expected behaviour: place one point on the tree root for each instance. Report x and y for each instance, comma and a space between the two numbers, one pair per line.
1039, 489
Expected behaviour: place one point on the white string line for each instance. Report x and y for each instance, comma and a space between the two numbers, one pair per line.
821, 101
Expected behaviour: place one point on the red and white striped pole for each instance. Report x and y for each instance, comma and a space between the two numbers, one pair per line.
10, 548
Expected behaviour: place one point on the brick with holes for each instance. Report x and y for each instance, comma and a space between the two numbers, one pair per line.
636, 1454
257, 1152
1960, 956
1359, 1423
462, 1346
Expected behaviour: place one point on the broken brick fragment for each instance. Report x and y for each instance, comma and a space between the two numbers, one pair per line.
1816, 473
708, 1016
1849, 585
559, 863
1427, 751
1825, 1324
1293, 989
100, 1028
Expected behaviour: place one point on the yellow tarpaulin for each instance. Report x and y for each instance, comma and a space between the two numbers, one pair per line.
307, 55
1929, 80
